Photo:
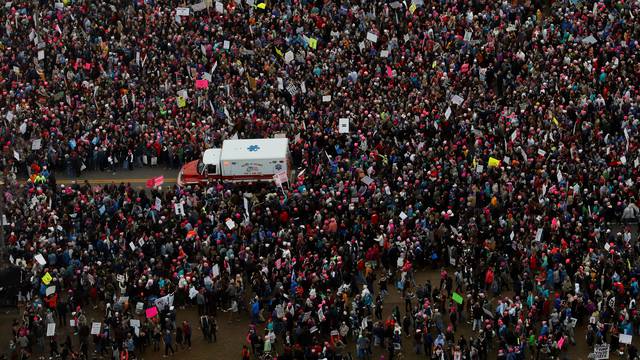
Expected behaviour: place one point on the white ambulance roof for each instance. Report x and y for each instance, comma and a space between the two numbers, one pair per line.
211, 156
254, 149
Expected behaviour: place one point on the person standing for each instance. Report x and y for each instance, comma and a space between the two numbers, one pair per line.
186, 332
205, 326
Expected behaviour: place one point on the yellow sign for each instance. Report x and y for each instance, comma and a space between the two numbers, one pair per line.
46, 279
412, 8
555, 121
279, 52
493, 162
313, 43
262, 6
182, 102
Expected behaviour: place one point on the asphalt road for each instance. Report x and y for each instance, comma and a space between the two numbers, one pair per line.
137, 178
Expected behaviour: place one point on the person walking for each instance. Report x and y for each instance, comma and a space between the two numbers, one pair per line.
168, 343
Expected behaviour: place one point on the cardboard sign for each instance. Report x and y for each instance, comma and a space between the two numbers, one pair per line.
95, 328
151, 312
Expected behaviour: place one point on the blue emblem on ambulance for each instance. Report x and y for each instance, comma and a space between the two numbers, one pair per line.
253, 148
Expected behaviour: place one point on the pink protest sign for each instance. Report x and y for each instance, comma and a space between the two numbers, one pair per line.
202, 84
151, 312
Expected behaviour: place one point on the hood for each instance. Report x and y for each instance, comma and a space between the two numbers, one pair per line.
189, 173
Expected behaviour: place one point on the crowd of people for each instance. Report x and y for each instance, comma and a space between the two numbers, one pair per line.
494, 142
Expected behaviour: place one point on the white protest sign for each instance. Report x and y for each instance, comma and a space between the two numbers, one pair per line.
457, 99
72, 322
199, 6
467, 36
447, 113
288, 56
179, 208
384, 54
158, 203
40, 259
41, 55
372, 37
51, 329
192, 293
219, 7
230, 224
626, 339
36, 144
134, 323
182, 11
343, 126
367, 180
215, 271
326, 98
132, 246
95, 328
601, 352
50, 290
403, 215
539, 235
226, 44
280, 178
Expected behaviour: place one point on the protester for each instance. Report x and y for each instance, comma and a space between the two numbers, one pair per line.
494, 142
